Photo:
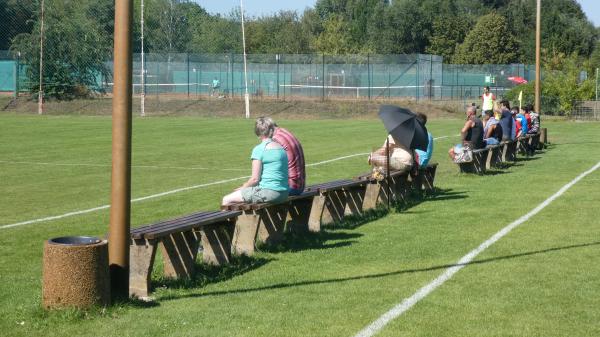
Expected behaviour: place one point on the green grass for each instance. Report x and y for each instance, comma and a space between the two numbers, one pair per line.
540, 280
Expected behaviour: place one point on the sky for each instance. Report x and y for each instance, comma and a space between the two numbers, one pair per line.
266, 7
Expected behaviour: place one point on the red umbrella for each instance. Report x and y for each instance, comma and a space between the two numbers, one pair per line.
517, 80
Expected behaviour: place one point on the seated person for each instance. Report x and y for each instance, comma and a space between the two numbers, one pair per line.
295, 154
422, 157
506, 121
471, 135
492, 132
400, 158
269, 180
516, 124
521, 120
535, 121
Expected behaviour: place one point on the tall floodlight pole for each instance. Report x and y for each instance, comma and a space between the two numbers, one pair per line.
538, 70
118, 245
246, 96
143, 67
41, 88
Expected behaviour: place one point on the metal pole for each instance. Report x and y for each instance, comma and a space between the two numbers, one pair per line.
188, 74
597, 70
277, 58
369, 76
246, 96
538, 43
143, 71
41, 88
323, 79
16, 95
118, 247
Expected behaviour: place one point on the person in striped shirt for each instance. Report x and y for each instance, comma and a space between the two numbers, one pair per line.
295, 154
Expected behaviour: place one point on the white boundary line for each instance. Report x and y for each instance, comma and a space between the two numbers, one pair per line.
153, 196
408, 303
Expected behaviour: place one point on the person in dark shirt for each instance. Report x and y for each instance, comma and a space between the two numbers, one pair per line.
506, 121
471, 134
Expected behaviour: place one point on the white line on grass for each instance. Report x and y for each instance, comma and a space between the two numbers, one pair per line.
171, 167
407, 303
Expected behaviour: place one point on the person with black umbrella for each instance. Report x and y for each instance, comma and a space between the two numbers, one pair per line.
407, 132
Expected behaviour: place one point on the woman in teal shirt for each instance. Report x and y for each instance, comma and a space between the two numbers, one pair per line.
269, 180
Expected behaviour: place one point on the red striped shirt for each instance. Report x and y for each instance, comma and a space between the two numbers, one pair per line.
296, 170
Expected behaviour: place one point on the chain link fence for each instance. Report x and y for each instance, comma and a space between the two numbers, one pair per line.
586, 110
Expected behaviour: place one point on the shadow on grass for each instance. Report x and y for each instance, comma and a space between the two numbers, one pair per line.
205, 274
295, 242
284, 285
437, 194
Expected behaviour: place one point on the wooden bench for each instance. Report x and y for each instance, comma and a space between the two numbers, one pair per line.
266, 222
321, 203
478, 164
179, 240
533, 144
380, 191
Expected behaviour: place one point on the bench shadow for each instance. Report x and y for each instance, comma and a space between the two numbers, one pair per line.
415, 198
495, 172
205, 274
528, 158
354, 221
284, 285
295, 242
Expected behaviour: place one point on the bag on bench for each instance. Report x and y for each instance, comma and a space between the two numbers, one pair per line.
463, 154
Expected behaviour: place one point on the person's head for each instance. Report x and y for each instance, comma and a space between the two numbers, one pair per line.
422, 117
527, 108
486, 89
505, 104
471, 111
487, 115
514, 110
263, 128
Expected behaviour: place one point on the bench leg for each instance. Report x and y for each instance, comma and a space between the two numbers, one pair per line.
141, 262
216, 243
401, 187
272, 224
179, 253
371, 196
298, 215
429, 177
334, 207
244, 234
354, 200
316, 212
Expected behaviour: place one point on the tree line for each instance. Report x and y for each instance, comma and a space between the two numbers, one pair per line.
78, 33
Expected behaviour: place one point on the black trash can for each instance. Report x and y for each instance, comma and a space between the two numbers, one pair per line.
75, 272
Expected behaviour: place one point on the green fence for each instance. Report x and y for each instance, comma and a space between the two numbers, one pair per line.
284, 76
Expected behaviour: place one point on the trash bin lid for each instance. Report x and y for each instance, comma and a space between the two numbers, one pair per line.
75, 240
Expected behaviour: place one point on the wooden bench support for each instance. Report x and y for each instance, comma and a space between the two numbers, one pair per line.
354, 200
423, 180
478, 164
141, 257
316, 211
494, 157
216, 243
244, 234
299, 212
272, 223
179, 252
335, 207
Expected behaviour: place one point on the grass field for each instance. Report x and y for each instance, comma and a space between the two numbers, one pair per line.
542, 279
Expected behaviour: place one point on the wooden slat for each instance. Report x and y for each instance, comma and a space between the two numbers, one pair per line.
192, 217
227, 215
188, 221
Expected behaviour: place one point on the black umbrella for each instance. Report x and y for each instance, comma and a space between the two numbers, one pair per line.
404, 126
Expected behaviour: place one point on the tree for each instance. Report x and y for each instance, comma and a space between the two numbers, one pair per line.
489, 42
75, 49
15, 18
